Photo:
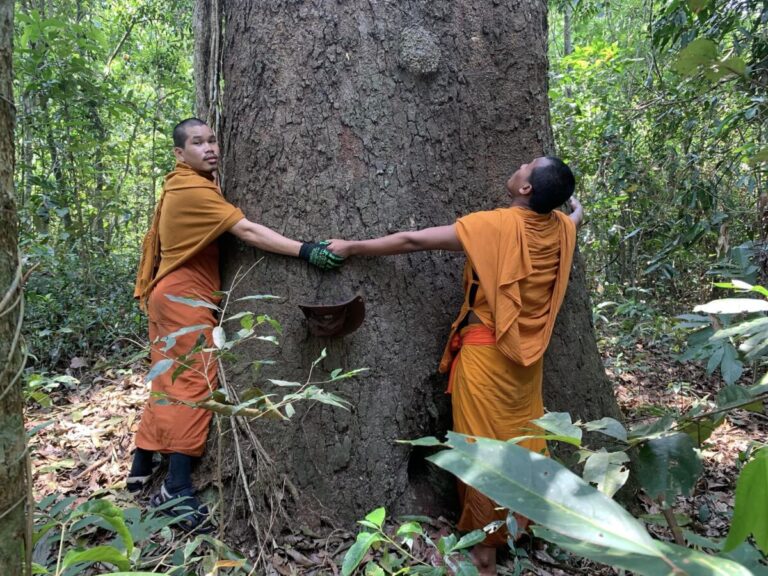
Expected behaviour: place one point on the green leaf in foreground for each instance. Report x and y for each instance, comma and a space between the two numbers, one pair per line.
158, 368
668, 466
192, 302
543, 490
559, 423
569, 511
672, 560
106, 554
357, 552
749, 512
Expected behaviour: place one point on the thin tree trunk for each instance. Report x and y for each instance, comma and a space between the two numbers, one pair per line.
14, 504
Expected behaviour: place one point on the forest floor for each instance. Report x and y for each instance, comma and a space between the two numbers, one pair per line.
83, 442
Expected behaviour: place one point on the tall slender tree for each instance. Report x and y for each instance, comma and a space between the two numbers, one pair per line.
13, 455
361, 118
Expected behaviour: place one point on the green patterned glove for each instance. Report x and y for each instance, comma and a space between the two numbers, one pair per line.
318, 255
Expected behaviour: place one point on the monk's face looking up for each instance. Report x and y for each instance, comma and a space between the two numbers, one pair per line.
519, 184
200, 151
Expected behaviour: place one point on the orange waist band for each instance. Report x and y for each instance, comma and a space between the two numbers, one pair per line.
472, 335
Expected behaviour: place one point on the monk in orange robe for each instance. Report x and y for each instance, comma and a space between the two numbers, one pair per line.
180, 257
518, 262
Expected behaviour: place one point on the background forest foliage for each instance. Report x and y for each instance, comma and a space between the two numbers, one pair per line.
99, 86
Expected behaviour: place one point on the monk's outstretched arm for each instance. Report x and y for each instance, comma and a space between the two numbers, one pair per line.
265, 238
436, 238
577, 212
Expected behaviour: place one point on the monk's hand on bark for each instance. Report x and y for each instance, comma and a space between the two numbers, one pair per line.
318, 254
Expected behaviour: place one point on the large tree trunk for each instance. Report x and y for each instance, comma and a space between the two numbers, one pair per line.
13, 457
361, 118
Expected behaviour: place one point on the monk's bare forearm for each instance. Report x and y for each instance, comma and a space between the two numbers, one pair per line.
265, 238
436, 238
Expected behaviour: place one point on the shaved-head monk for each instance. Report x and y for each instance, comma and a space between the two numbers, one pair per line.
180, 257
518, 263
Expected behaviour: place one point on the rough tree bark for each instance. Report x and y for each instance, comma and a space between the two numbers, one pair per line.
13, 461
361, 118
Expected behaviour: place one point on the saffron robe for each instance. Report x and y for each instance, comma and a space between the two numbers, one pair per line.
522, 262
180, 257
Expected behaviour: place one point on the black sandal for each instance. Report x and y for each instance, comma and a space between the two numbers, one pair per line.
191, 514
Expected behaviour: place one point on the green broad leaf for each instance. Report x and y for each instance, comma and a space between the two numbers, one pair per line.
715, 359
39, 569
730, 366
377, 517
469, 540
700, 52
733, 306
694, 318
544, 491
732, 395
114, 516
661, 520
192, 302
408, 529
749, 512
733, 66
427, 570
219, 337
559, 423
106, 554
742, 329
373, 569
759, 157
426, 441
290, 411
607, 470
608, 426
652, 429
181, 368
270, 339
358, 550
170, 339
158, 368
700, 429
699, 541
668, 466
697, 6
667, 559
446, 544
259, 297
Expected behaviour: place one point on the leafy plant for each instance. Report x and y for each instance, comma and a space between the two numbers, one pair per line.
395, 552
252, 402
72, 539
568, 511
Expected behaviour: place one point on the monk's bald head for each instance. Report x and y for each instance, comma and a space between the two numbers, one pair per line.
552, 183
180, 131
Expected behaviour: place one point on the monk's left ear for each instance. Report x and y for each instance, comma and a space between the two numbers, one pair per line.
526, 189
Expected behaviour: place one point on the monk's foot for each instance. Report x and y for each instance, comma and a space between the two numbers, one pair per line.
484, 558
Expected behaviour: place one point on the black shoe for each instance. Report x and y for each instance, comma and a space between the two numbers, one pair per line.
192, 515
